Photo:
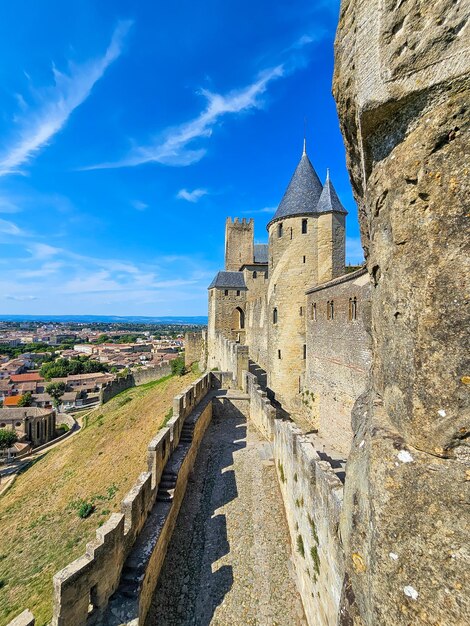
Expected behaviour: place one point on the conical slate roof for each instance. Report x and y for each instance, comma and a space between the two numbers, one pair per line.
329, 200
302, 194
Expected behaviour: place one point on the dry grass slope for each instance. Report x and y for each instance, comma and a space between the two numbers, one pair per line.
39, 524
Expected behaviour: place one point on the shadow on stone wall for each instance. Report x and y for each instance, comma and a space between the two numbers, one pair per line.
188, 592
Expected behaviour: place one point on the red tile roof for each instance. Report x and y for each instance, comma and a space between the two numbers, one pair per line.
26, 378
11, 400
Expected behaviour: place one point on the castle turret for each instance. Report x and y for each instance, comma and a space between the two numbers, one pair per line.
293, 267
239, 243
331, 233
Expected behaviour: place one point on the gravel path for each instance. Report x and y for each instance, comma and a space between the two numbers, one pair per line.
228, 563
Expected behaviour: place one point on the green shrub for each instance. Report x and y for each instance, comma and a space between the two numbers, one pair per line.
281, 472
300, 546
85, 510
177, 366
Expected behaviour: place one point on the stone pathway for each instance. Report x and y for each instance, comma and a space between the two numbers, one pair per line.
228, 562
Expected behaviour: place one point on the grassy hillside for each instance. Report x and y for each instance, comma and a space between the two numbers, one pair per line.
40, 527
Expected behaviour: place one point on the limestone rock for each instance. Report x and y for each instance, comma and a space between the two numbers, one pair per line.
401, 85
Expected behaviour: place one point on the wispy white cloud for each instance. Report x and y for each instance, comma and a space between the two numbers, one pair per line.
266, 209
191, 196
20, 298
138, 205
8, 206
177, 147
37, 127
9, 228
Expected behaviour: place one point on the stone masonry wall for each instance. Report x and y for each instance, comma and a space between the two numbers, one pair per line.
338, 356
256, 320
312, 496
137, 377
229, 356
94, 577
402, 87
195, 349
221, 319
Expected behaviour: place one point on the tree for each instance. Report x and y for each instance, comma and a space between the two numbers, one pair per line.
56, 391
26, 399
7, 438
177, 367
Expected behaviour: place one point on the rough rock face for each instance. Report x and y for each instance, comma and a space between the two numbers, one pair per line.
401, 85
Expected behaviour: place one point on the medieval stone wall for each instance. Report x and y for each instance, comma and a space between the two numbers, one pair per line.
256, 321
338, 355
224, 317
312, 496
195, 349
138, 376
401, 84
92, 579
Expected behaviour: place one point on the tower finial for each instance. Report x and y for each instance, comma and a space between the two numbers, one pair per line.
327, 173
305, 136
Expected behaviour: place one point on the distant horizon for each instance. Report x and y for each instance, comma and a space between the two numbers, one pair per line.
149, 319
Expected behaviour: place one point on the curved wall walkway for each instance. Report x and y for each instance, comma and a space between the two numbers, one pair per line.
228, 562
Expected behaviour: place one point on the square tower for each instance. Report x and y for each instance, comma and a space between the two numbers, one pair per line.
239, 243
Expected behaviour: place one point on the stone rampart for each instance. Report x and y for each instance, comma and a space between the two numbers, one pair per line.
136, 377
195, 349
83, 588
144, 375
230, 356
313, 496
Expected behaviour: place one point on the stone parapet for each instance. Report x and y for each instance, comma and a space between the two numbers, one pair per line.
313, 497
83, 588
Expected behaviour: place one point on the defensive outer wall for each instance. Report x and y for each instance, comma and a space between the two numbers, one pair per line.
113, 582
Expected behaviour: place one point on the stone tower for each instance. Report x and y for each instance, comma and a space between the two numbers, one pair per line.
308, 215
331, 234
239, 243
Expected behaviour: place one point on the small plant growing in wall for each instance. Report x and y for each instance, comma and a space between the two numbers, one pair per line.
281, 472
313, 528
300, 546
315, 559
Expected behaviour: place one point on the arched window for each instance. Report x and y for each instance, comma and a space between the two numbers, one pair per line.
238, 292
301, 311
279, 229
291, 232
305, 351
274, 316
226, 292
38, 435
255, 274
305, 258
278, 354
313, 312
352, 309
304, 227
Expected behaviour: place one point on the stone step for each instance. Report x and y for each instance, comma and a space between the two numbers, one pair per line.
167, 484
164, 497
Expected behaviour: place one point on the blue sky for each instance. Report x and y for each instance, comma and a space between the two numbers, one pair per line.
130, 130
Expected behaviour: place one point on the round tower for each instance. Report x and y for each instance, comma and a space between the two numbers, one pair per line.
293, 268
